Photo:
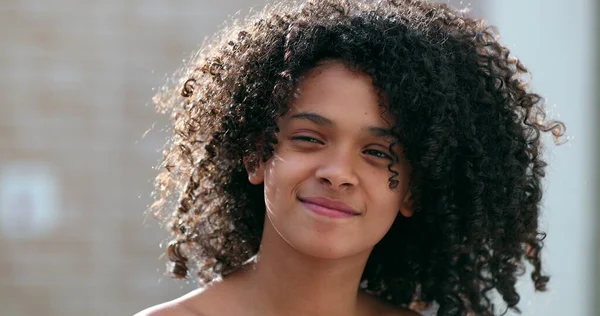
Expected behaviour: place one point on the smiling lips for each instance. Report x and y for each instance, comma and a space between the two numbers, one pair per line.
326, 207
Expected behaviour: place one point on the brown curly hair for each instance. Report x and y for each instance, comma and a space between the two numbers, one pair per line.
466, 119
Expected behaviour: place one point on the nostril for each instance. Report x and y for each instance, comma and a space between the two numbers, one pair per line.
326, 181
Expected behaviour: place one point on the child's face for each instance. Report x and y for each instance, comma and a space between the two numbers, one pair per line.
333, 147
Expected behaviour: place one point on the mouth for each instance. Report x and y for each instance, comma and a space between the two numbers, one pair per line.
327, 207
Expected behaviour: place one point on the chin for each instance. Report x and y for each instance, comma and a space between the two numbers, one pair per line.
323, 239
323, 247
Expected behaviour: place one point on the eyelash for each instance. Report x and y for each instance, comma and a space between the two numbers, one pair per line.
379, 154
372, 152
307, 139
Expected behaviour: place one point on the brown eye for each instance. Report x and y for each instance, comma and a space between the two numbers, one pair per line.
377, 153
307, 139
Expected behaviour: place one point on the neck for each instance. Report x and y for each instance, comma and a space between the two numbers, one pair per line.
284, 280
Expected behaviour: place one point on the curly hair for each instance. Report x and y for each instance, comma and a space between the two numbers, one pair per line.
469, 126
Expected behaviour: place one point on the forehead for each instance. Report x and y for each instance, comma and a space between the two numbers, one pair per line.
334, 91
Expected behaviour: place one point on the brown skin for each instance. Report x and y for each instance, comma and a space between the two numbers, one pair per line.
218, 298
320, 258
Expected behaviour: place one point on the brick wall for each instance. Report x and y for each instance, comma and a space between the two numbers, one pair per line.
76, 78
75, 81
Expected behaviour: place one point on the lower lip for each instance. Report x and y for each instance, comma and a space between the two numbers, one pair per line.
325, 211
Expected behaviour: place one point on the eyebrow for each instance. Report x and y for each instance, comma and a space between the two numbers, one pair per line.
323, 121
315, 118
380, 132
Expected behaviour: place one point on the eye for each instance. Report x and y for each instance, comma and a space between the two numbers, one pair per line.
378, 154
307, 139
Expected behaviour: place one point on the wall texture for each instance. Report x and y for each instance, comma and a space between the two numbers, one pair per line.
75, 82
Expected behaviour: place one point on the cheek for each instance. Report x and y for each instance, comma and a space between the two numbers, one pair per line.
384, 203
287, 166
380, 216
283, 174
378, 183
385, 209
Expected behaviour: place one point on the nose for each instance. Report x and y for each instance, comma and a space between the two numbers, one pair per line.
338, 172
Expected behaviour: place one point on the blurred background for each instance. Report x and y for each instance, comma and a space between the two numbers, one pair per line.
79, 140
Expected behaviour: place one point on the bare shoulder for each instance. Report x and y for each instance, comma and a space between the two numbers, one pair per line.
187, 305
166, 309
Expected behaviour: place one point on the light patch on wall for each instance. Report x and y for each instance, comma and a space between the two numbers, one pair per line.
29, 200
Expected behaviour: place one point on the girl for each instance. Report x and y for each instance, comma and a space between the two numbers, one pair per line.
353, 158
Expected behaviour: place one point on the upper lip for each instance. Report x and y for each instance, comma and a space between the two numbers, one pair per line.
328, 203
